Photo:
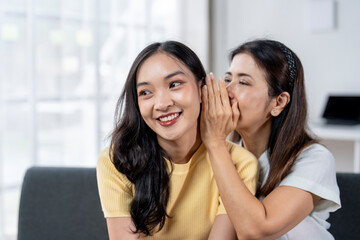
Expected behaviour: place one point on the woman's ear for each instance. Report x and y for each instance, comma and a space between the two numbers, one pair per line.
280, 103
200, 86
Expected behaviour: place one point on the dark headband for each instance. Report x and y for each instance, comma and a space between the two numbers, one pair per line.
291, 64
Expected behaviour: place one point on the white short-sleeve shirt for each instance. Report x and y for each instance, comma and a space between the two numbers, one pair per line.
314, 171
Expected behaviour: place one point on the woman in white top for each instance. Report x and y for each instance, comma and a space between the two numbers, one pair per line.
263, 99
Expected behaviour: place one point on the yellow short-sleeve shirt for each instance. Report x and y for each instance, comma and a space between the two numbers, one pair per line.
194, 199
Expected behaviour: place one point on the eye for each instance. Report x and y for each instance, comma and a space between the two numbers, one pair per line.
243, 82
227, 80
174, 84
144, 93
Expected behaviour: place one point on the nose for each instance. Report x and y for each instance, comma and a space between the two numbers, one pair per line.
163, 100
229, 88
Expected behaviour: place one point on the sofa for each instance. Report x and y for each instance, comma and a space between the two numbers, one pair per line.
60, 203
345, 222
63, 203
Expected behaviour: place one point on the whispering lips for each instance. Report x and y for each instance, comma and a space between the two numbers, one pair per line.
169, 119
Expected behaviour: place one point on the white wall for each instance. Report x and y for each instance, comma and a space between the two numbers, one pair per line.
331, 59
195, 27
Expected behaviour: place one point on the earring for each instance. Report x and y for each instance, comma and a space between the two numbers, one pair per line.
273, 111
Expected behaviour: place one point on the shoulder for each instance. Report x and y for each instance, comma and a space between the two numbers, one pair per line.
237, 149
315, 163
316, 148
104, 154
115, 190
104, 160
316, 155
106, 169
246, 165
314, 171
314, 160
240, 155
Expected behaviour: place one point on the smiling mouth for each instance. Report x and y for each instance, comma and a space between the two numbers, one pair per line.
169, 119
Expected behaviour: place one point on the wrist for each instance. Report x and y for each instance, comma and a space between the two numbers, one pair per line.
214, 143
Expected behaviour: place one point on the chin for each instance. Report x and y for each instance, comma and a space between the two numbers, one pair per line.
170, 137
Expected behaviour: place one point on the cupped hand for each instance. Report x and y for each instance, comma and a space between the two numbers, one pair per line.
218, 116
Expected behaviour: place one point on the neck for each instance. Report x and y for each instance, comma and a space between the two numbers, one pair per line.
181, 151
256, 141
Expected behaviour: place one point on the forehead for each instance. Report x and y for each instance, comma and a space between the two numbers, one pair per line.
160, 65
243, 62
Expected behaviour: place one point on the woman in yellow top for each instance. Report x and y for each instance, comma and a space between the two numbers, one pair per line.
156, 181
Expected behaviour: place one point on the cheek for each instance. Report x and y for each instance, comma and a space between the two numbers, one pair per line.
243, 96
189, 100
254, 100
144, 108
188, 96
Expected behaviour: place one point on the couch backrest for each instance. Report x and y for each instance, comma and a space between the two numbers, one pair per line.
345, 222
60, 203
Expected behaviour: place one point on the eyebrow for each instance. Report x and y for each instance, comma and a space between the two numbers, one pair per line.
240, 74
165, 78
174, 74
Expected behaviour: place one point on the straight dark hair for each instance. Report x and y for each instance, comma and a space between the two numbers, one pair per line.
135, 150
288, 136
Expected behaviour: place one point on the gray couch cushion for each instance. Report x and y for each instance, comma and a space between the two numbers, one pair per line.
60, 203
345, 221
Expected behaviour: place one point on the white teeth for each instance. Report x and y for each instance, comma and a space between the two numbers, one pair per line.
169, 118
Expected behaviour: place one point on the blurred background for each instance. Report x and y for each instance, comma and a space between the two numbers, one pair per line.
63, 64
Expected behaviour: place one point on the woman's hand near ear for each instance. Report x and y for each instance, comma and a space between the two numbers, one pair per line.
218, 117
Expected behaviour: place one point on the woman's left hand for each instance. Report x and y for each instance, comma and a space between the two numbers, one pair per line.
218, 117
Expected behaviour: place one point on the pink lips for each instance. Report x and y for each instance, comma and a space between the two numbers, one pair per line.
169, 122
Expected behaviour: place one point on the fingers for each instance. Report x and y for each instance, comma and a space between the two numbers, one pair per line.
209, 92
236, 113
218, 116
214, 91
204, 100
224, 96
213, 85
217, 100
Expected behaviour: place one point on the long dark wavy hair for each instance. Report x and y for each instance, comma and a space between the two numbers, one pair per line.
135, 150
288, 136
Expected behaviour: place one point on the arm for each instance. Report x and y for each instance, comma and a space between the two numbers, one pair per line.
115, 196
280, 211
120, 228
222, 228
